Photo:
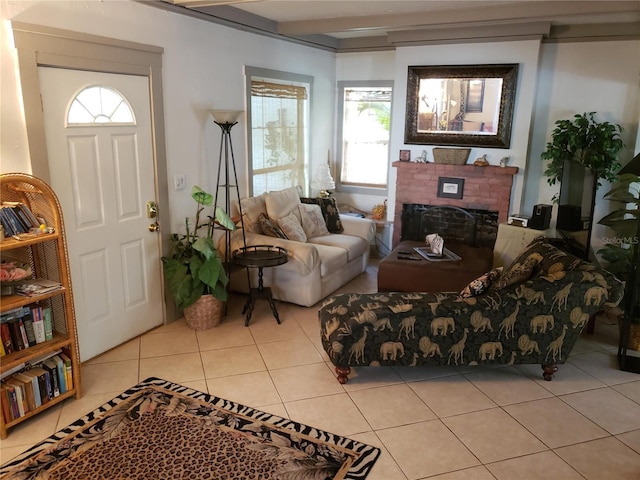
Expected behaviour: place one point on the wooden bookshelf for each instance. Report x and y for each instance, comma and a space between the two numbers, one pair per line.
47, 256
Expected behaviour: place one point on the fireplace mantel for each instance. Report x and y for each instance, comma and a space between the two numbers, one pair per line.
486, 188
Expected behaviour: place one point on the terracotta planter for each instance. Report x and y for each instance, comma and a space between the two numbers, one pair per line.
205, 313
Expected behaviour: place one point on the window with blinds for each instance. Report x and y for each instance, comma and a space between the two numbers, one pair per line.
364, 129
279, 133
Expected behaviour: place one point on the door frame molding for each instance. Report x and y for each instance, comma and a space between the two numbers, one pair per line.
40, 46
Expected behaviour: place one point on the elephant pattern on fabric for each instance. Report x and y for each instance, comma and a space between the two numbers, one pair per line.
440, 325
488, 350
541, 322
535, 321
390, 350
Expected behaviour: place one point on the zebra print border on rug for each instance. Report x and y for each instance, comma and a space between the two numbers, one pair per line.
159, 429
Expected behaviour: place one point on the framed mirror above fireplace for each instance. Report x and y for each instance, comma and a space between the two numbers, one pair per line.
463, 105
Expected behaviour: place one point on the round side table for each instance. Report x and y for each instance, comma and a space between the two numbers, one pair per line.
260, 256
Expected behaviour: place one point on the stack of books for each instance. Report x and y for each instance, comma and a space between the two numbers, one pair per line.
34, 385
16, 218
24, 327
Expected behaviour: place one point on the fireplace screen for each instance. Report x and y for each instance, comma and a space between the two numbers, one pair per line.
477, 228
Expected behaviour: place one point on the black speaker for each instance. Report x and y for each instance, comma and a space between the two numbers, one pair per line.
541, 217
569, 218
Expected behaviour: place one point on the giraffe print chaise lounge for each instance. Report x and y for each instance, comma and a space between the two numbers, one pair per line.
532, 312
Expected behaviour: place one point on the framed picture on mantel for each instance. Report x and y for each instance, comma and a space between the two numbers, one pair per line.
450, 187
405, 155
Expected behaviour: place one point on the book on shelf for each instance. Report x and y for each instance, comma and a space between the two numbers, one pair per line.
6, 226
68, 369
9, 402
22, 218
48, 323
5, 400
52, 368
16, 336
62, 373
43, 383
36, 386
24, 212
21, 394
5, 335
32, 217
28, 388
38, 324
12, 322
37, 286
12, 314
23, 332
28, 326
10, 221
28, 216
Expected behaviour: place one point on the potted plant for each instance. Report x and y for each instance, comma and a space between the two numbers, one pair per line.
583, 140
194, 272
620, 250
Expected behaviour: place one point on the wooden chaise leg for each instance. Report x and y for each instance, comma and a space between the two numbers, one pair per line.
549, 370
343, 373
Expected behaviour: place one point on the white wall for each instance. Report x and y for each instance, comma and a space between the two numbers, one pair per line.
202, 69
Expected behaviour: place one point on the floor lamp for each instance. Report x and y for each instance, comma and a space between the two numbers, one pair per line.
226, 119
631, 301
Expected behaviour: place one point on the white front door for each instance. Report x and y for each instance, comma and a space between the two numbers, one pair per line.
102, 169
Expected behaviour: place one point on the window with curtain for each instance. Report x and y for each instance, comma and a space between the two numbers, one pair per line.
279, 131
364, 123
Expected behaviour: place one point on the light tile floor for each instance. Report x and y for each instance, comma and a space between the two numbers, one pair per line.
432, 422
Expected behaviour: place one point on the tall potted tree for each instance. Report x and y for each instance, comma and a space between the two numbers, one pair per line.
582, 152
194, 272
592, 144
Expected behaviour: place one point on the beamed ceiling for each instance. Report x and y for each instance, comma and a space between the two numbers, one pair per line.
361, 25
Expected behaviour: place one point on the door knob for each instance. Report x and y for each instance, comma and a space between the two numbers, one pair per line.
154, 227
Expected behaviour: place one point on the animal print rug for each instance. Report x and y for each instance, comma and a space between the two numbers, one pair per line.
162, 430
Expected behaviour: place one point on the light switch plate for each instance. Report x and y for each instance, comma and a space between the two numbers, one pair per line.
179, 181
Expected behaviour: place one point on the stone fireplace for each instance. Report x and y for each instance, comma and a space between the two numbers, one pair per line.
485, 189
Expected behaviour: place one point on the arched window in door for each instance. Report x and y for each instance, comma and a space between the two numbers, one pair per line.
100, 104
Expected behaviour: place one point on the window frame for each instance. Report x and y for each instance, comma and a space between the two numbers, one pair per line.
350, 188
250, 73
